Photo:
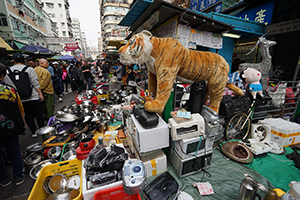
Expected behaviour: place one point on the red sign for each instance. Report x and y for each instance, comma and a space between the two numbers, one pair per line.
71, 46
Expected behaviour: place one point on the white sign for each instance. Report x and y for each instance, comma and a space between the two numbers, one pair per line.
283, 27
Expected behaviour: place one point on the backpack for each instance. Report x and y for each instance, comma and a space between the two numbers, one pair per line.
21, 81
74, 74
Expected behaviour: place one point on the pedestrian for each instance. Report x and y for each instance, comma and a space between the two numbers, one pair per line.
106, 70
58, 83
12, 118
31, 62
78, 77
95, 71
46, 87
130, 74
86, 70
65, 77
70, 72
31, 104
119, 72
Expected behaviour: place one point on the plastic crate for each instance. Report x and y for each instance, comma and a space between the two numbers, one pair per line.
94, 99
115, 193
68, 168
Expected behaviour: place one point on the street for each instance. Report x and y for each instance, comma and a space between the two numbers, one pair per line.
22, 192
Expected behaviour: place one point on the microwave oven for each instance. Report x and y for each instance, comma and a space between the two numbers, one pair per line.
191, 165
188, 129
188, 147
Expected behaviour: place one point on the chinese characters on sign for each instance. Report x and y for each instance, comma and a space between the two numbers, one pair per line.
260, 14
71, 46
204, 4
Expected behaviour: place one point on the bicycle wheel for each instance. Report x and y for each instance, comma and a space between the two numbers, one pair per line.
234, 128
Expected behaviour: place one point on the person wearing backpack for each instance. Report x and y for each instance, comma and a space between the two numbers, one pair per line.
12, 124
32, 97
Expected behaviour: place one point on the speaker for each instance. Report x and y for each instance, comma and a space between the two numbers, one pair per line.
161, 187
197, 97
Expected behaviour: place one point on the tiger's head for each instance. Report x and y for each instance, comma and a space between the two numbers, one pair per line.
137, 50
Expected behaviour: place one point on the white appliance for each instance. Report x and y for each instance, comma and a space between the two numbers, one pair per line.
188, 147
260, 142
150, 139
188, 129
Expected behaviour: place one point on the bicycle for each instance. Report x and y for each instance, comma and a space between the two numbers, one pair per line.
238, 126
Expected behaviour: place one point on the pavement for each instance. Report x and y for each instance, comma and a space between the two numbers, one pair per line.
22, 192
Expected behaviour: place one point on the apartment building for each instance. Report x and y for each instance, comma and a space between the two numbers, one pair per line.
111, 13
58, 10
24, 22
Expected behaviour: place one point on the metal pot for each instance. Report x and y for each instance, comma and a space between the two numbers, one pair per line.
67, 194
54, 152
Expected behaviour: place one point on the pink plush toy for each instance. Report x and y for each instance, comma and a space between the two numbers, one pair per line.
252, 77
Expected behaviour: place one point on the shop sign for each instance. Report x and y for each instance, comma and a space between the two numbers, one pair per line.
283, 27
120, 33
71, 46
260, 14
204, 4
194, 4
218, 8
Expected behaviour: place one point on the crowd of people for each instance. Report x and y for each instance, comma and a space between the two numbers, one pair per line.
29, 87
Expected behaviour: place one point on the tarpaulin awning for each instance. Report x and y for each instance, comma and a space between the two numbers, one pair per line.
3, 44
19, 44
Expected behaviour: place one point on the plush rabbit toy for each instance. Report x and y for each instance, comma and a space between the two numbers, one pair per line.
252, 77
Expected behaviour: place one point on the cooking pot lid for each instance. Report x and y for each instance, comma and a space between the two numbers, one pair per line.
54, 152
45, 130
65, 118
35, 147
35, 170
32, 159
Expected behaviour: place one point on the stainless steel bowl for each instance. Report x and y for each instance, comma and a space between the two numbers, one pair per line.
69, 155
35, 170
66, 118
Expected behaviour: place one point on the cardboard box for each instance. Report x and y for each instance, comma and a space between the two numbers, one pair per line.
283, 132
155, 163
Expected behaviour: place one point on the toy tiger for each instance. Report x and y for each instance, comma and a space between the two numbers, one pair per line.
167, 59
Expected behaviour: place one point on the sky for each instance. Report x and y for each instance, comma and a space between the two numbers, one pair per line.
88, 13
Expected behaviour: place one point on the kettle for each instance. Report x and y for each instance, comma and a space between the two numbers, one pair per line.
248, 190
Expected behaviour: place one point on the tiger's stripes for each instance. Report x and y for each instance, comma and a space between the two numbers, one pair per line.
172, 60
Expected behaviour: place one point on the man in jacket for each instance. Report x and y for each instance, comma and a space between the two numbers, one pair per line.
31, 104
58, 82
12, 124
46, 87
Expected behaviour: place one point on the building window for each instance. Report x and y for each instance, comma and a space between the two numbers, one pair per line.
21, 27
61, 16
52, 15
14, 24
59, 5
63, 25
50, 5
64, 33
3, 21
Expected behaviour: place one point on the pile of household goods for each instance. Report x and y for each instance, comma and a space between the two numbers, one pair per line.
104, 145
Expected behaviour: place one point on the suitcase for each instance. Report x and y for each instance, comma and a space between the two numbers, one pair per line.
146, 119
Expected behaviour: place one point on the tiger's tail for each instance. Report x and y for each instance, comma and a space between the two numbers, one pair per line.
235, 89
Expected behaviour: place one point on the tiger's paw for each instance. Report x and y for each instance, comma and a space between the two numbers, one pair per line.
154, 107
